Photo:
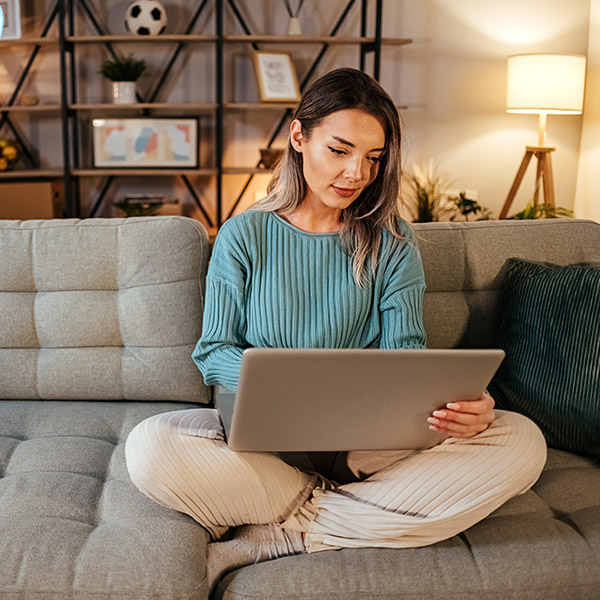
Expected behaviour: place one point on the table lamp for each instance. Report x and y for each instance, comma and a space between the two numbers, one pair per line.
543, 84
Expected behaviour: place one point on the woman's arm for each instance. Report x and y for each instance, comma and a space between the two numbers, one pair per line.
401, 304
218, 353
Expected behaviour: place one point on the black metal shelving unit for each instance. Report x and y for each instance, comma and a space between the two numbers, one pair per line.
226, 16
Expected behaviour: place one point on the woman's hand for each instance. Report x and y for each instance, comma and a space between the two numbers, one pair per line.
464, 419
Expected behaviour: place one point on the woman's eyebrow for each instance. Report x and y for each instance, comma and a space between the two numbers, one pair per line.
347, 143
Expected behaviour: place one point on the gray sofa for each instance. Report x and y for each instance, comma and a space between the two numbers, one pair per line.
98, 319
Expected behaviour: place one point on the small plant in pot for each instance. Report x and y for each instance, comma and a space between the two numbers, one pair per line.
123, 72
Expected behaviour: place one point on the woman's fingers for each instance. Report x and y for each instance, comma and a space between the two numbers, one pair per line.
464, 419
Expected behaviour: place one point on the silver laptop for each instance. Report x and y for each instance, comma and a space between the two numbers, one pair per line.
324, 399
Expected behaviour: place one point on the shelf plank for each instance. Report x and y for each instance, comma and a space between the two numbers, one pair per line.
30, 41
31, 174
312, 39
141, 172
246, 171
129, 38
36, 108
273, 105
189, 106
258, 105
236, 39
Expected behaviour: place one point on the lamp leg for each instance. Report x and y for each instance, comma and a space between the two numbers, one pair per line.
516, 183
539, 178
548, 180
543, 176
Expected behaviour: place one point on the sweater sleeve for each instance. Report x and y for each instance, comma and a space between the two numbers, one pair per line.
218, 353
401, 305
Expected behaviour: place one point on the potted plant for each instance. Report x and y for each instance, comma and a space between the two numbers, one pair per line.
426, 197
425, 194
543, 211
123, 72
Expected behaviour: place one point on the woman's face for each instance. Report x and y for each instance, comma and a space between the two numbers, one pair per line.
340, 158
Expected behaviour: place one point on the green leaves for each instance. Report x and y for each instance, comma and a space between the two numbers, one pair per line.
543, 211
123, 69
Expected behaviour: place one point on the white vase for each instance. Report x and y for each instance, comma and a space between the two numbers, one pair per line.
294, 27
123, 92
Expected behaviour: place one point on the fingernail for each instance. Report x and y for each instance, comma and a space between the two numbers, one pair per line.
453, 406
439, 413
434, 428
432, 420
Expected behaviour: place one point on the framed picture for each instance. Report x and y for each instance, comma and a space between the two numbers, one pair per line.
276, 75
10, 19
146, 143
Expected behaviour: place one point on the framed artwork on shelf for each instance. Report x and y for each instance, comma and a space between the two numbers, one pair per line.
277, 80
10, 19
146, 143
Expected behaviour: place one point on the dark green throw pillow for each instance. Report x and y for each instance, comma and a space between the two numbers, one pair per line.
549, 327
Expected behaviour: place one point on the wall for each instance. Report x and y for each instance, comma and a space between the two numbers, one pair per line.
587, 201
452, 79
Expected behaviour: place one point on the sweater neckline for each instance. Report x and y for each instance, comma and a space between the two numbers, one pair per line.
298, 231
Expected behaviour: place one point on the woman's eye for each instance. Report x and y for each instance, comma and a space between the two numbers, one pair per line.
335, 150
374, 159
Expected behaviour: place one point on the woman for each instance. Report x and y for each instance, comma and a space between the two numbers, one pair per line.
325, 261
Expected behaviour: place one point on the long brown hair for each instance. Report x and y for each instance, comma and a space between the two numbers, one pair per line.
376, 209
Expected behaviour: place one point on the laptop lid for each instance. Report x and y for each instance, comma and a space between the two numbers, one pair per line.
347, 399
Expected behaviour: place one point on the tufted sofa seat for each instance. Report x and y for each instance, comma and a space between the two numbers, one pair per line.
543, 545
98, 320
71, 523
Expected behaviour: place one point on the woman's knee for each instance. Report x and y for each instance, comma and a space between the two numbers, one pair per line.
153, 448
525, 441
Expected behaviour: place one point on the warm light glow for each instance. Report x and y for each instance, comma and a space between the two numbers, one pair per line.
545, 83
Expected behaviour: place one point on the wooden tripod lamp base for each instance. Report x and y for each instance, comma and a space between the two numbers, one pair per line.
543, 175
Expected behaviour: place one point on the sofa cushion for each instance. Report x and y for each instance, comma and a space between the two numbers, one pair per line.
71, 522
550, 330
102, 309
542, 544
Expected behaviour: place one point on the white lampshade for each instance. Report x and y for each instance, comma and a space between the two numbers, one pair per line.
545, 83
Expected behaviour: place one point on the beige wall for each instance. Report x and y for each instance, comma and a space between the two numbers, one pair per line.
587, 200
453, 79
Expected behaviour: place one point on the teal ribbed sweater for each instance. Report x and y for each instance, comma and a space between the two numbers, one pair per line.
270, 284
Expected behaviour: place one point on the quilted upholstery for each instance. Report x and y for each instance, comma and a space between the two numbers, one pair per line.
543, 545
465, 264
102, 309
94, 309
72, 525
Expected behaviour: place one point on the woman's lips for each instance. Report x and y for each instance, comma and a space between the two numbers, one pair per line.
344, 192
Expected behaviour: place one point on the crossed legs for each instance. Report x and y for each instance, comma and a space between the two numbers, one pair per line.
181, 460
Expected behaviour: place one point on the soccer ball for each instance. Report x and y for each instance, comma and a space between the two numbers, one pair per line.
146, 17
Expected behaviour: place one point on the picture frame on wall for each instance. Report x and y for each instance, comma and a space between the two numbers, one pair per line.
10, 19
277, 79
168, 143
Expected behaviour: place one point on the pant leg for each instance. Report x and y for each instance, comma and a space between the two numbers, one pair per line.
429, 495
180, 460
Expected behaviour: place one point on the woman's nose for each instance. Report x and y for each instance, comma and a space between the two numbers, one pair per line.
357, 169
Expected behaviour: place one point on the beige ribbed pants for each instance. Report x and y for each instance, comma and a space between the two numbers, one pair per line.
406, 499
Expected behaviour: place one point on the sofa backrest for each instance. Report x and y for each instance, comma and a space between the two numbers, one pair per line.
465, 262
102, 309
